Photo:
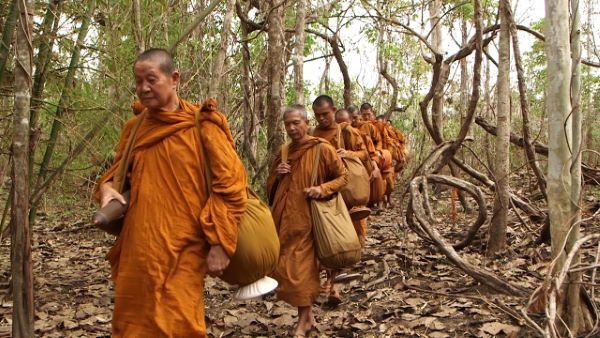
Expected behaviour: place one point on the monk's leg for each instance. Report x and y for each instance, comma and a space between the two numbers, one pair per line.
305, 321
333, 294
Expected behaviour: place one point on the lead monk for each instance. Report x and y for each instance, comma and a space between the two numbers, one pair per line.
174, 232
290, 188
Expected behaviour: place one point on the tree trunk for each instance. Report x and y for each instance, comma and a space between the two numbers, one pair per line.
437, 104
7, 37
576, 321
524, 102
249, 141
22, 281
276, 68
42, 61
560, 137
216, 81
299, 52
138, 34
63, 102
497, 231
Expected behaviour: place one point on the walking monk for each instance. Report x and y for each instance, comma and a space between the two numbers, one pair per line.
368, 127
289, 188
173, 233
351, 143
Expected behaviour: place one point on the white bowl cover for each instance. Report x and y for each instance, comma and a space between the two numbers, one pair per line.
256, 289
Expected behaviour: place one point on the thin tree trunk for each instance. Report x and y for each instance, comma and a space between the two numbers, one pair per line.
524, 102
437, 108
216, 82
7, 37
275, 51
577, 322
63, 102
497, 231
42, 61
138, 34
299, 52
21, 269
249, 142
560, 137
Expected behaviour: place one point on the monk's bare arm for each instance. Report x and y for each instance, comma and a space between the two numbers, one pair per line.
104, 184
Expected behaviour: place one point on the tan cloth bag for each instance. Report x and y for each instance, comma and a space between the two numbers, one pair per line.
358, 189
336, 242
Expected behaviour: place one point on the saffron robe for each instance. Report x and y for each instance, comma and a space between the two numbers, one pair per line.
353, 143
158, 261
298, 270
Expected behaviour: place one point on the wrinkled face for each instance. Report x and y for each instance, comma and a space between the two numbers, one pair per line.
324, 113
367, 114
342, 117
296, 125
355, 119
156, 90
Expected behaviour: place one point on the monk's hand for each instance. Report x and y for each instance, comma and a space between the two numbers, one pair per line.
108, 193
217, 261
314, 192
376, 173
283, 168
342, 152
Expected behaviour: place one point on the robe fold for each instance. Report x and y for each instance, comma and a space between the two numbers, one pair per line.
158, 261
298, 270
352, 142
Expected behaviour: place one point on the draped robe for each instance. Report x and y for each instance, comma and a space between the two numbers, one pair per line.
297, 270
158, 261
378, 184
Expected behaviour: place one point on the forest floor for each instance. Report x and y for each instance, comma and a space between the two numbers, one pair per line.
406, 287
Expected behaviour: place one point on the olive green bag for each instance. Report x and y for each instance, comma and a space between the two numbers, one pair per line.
257, 251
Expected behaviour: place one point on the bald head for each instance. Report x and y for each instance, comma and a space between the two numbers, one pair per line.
342, 116
160, 56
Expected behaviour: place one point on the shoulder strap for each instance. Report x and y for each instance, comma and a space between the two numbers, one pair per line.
207, 172
121, 173
316, 162
285, 150
340, 144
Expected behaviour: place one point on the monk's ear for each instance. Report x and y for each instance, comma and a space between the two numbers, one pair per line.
175, 77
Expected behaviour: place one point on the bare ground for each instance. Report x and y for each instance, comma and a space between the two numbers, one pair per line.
406, 289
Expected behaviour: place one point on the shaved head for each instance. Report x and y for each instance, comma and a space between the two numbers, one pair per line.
160, 56
322, 100
342, 115
296, 108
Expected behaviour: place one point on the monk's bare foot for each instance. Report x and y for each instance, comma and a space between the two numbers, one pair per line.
334, 298
306, 321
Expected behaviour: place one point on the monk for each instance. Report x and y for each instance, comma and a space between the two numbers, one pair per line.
401, 151
388, 147
368, 127
289, 188
174, 231
351, 143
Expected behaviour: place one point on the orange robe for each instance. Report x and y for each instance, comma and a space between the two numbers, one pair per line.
159, 259
378, 184
297, 270
387, 143
353, 143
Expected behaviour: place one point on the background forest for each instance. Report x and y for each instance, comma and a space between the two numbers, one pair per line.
439, 70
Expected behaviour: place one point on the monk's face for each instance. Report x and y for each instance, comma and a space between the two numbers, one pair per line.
355, 119
342, 117
296, 125
156, 90
324, 114
367, 114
